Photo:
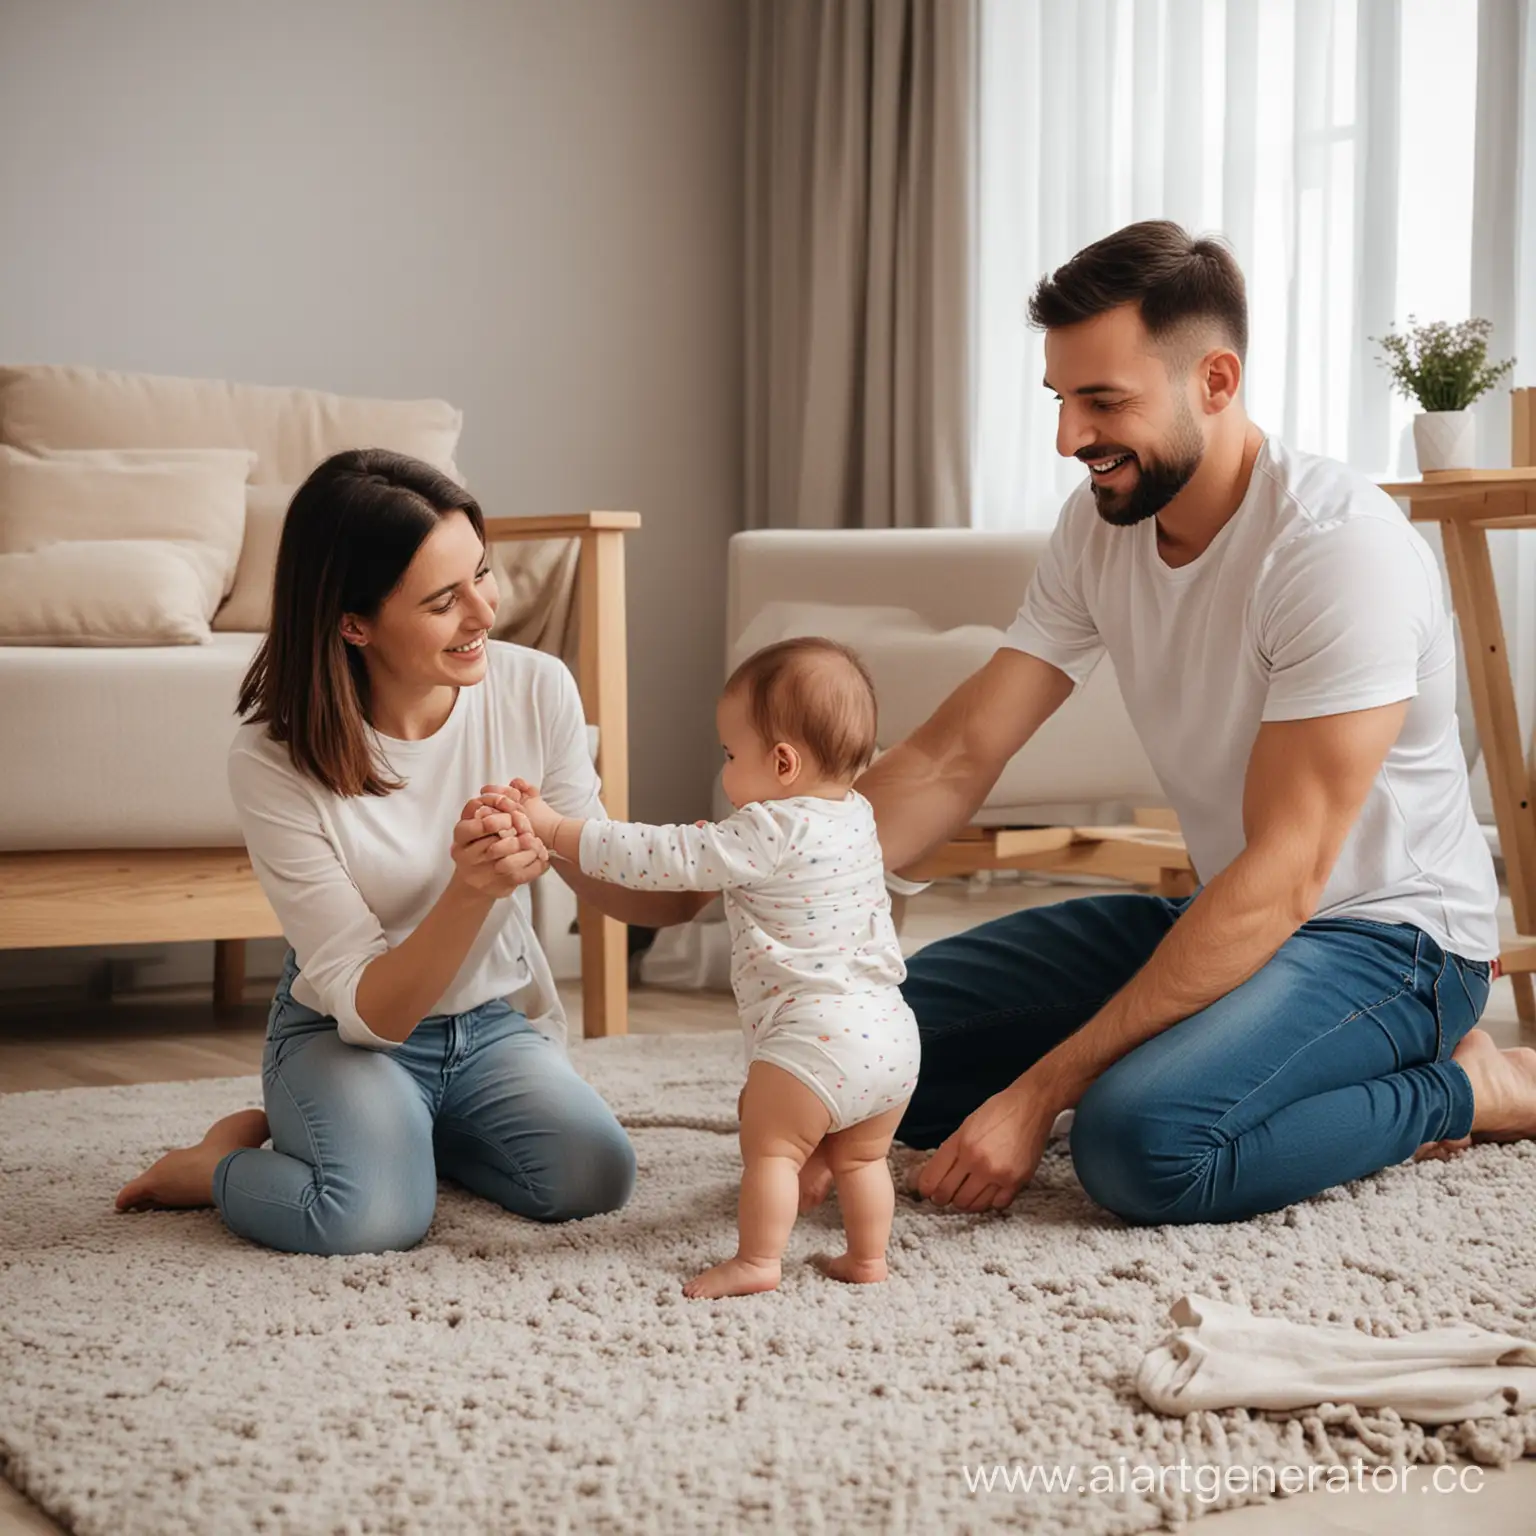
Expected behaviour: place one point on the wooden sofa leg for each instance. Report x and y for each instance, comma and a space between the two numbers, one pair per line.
604, 974
228, 974
1525, 997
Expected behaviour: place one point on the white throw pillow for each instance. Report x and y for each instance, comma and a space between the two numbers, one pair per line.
104, 592
846, 622
193, 497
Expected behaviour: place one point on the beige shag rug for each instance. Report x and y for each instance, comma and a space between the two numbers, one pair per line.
159, 1376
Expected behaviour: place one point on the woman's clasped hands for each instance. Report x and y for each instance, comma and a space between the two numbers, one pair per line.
494, 846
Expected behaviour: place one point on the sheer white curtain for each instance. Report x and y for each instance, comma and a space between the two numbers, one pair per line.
1368, 160
1332, 143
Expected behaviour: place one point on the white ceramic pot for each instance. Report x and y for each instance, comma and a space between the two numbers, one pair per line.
1444, 440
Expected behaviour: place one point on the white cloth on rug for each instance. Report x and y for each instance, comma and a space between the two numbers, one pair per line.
1223, 1356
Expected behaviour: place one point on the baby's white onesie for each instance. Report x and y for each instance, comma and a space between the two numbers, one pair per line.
815, 962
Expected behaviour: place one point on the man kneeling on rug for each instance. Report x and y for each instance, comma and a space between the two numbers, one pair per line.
1279, 635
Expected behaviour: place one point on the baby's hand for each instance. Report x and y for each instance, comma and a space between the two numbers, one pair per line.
494, 849
543, 818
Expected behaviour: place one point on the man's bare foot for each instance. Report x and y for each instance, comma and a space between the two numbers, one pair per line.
1503, 1094
1503, 1088
735, 1277
183, 1178
849, 1269
815, 1180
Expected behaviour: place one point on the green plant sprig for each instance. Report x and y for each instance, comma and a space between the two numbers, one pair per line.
1441, 366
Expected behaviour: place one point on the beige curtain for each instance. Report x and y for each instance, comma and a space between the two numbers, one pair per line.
860, 155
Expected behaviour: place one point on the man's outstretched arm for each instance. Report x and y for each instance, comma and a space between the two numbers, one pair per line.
928, 787
1306, 783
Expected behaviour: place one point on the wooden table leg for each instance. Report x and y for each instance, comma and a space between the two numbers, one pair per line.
1476, 600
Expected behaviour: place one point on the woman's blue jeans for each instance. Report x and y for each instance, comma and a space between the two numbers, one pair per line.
359, 1136
1330, 1063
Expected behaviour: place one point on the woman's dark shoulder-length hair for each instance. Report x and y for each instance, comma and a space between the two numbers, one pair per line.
350, 532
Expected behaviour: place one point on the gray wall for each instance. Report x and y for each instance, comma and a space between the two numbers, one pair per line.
532, 208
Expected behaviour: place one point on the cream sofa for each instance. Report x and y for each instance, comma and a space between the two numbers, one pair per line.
116, 825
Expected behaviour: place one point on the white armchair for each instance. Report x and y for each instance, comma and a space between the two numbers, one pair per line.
925, 608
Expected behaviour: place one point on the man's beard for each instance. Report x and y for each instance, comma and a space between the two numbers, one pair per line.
1158, 480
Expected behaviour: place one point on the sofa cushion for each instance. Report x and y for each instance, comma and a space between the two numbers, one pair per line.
290, 430
1086, 754
123, 748
192, 499
104, 592
249, 604
119, 748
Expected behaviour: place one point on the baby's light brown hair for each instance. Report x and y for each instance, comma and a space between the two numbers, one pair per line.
816, 693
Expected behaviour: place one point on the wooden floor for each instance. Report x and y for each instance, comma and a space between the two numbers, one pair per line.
170, 1039
51, 1042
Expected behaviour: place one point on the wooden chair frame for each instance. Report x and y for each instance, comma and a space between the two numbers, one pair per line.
179, 895
1150, 851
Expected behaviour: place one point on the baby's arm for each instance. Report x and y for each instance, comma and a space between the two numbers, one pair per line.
710, 856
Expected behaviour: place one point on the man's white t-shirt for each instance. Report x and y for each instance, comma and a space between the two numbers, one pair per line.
1317, 597
350, 877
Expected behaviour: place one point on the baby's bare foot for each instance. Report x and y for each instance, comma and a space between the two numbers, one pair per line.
183, 1178
735, 1277
849, 1269
815, 1180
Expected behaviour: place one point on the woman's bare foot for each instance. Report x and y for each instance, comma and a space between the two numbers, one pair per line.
1503, 1094
183, 1178
815, 1180
849, 1269
735, 1277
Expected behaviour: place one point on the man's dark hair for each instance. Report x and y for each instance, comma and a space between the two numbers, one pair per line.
1173, 278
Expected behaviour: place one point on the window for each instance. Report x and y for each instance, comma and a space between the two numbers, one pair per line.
1331, 141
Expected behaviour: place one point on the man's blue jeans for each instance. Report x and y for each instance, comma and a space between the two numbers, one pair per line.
359, 1137
1330, 1063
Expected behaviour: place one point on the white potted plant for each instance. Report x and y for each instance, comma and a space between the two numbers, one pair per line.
1444, 369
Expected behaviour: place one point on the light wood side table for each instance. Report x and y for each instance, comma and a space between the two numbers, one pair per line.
1467, 503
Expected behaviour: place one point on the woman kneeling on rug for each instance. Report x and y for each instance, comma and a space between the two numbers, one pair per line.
392, 1050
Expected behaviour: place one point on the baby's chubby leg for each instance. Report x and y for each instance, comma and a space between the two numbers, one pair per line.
781, 1123
856, 1157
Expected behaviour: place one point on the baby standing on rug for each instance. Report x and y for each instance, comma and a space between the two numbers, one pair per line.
830, 1044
